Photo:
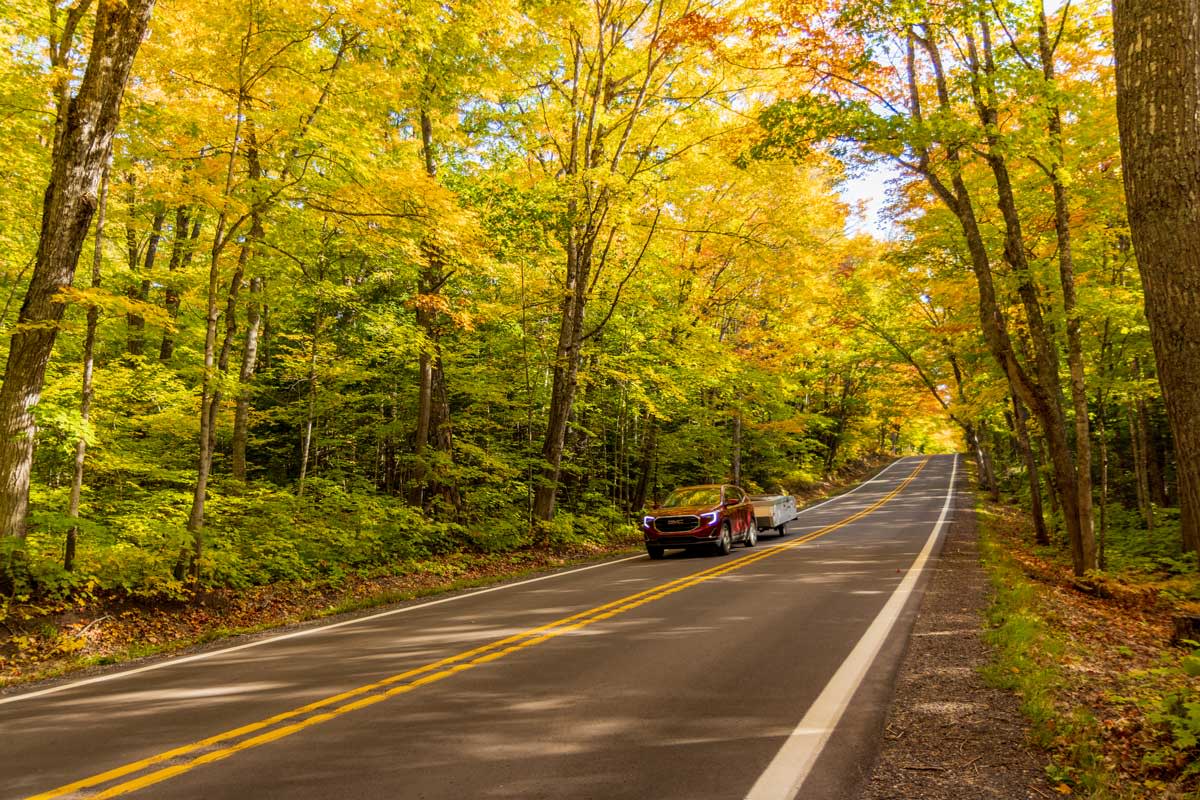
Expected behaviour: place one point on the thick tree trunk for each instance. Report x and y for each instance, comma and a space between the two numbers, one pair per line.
80, 151
1157, 45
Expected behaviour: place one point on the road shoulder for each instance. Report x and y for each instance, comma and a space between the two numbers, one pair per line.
948, 734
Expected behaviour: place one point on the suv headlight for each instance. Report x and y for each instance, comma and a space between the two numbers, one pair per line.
647, 522
710, 517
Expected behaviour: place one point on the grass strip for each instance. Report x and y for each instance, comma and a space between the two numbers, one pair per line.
1029, 657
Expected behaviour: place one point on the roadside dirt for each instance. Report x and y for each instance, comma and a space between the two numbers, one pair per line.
950, 735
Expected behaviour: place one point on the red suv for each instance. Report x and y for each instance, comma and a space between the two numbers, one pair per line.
713, 516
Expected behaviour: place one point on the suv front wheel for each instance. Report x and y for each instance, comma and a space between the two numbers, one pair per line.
725, 544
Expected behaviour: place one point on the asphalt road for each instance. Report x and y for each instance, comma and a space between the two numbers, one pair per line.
763, 674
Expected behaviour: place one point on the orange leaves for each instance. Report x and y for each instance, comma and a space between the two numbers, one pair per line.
694, 28
434, 303
438, 304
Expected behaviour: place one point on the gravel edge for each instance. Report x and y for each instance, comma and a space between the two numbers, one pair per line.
949, 735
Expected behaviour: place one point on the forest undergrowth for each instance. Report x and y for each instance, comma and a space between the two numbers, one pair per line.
1108, 693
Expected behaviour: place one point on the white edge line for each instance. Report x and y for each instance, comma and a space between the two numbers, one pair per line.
170, 662
786, 773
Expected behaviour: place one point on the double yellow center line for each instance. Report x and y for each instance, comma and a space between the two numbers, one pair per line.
170, 763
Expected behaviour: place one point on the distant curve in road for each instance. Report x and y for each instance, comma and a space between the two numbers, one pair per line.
761, 675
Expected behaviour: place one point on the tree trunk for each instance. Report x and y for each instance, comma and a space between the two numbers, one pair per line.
1033, 473
566, 373
987, 478
433, 409
241, 415
1066, 270
210, 400
1068, 469
641, 490
85, 403
139, 290
1141, 460
1102, 534
586, 163
1159, 451
1157, 46
78, 157
210, 391
310, 415
976, 446
182, 247
735, 467
1041, 395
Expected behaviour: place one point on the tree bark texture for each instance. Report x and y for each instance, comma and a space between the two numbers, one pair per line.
77, 163
1157, 44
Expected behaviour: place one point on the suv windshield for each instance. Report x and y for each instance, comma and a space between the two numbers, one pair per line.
694, 496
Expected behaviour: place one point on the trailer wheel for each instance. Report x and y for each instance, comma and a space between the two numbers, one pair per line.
781, 529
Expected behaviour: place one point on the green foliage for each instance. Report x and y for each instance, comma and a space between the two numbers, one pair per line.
1130, 548
1178, 714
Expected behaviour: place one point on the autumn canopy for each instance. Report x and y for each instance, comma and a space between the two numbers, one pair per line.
299, 288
